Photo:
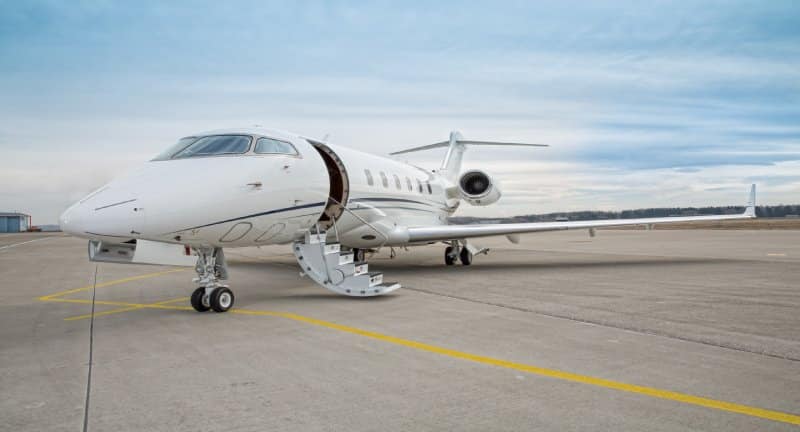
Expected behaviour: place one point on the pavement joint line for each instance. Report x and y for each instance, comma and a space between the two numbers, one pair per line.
720, 405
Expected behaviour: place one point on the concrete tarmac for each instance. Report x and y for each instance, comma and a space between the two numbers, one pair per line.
627, 331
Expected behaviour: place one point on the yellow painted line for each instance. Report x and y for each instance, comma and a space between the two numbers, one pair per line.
536, 370
551, 373
123, 309
776, 254
108, 284
531, 369
125, 304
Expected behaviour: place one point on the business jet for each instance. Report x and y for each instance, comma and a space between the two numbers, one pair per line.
334, 205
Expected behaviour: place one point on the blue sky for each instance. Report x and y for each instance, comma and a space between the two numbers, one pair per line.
644, 103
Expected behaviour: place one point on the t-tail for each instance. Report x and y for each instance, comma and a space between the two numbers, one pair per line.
451, 165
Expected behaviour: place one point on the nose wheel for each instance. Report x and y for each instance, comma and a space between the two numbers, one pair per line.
211, 295
200, 301
220, 299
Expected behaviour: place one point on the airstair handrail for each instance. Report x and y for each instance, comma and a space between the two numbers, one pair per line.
385, 237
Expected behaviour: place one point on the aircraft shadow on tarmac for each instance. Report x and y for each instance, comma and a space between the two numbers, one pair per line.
403, 267
400, 269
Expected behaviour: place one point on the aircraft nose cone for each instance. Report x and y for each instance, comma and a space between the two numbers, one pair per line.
64, 221
72, 221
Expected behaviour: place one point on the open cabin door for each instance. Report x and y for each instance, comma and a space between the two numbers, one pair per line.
339, 185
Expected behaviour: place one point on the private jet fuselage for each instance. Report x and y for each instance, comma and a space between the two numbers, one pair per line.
251, 187
247, 197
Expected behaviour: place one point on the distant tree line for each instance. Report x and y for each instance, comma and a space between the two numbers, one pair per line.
773, 211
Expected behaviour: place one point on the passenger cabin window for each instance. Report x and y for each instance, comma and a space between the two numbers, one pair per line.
384, 180
215, 145
410, 187
419, 186
397, 182
430, 191
369, 177
273, 146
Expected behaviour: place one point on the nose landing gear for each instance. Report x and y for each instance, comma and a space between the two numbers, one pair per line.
211, 294
220, 299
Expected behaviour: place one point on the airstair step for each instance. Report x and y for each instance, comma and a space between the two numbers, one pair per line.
316, 238
383, 287
346, 258
336, 269
360, 269
387, 285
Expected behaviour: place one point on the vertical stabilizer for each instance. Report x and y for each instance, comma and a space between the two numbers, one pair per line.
451, 164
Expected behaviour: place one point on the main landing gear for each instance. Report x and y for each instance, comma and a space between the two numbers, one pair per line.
458, 251
211, 294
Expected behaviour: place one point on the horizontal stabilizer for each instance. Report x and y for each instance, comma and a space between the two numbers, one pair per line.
466, 142
456, 145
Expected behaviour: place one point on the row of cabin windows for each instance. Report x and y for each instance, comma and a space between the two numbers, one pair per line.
398, 184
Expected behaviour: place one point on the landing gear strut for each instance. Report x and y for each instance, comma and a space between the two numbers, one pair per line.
211, 294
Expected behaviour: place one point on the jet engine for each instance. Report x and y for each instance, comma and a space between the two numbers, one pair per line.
478, 189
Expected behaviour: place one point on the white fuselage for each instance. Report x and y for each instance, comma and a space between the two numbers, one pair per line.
258, 199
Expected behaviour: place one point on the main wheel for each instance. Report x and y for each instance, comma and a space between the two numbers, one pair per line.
199, 300
449, 258
466, 256
221, 299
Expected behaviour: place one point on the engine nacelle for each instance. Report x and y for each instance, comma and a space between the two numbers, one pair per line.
478, 189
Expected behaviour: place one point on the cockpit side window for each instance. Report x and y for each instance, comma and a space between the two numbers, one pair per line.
273, 146
215, 145
175, 148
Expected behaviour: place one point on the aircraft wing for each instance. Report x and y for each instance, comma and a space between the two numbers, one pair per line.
454, 232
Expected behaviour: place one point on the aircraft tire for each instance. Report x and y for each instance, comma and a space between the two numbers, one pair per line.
449, 259
221, 299
197, 300
465, 256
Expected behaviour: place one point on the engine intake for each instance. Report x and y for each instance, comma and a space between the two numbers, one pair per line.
477, 188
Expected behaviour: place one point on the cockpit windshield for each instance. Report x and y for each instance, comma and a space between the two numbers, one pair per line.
178, 146
211, 145
215, 145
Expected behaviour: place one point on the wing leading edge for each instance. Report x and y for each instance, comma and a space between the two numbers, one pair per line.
451, 232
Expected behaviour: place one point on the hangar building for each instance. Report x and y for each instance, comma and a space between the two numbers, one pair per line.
14, 222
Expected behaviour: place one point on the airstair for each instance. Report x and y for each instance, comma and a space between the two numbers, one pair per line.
328, 265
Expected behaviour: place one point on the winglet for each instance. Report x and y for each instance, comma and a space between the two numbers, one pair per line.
750, 211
